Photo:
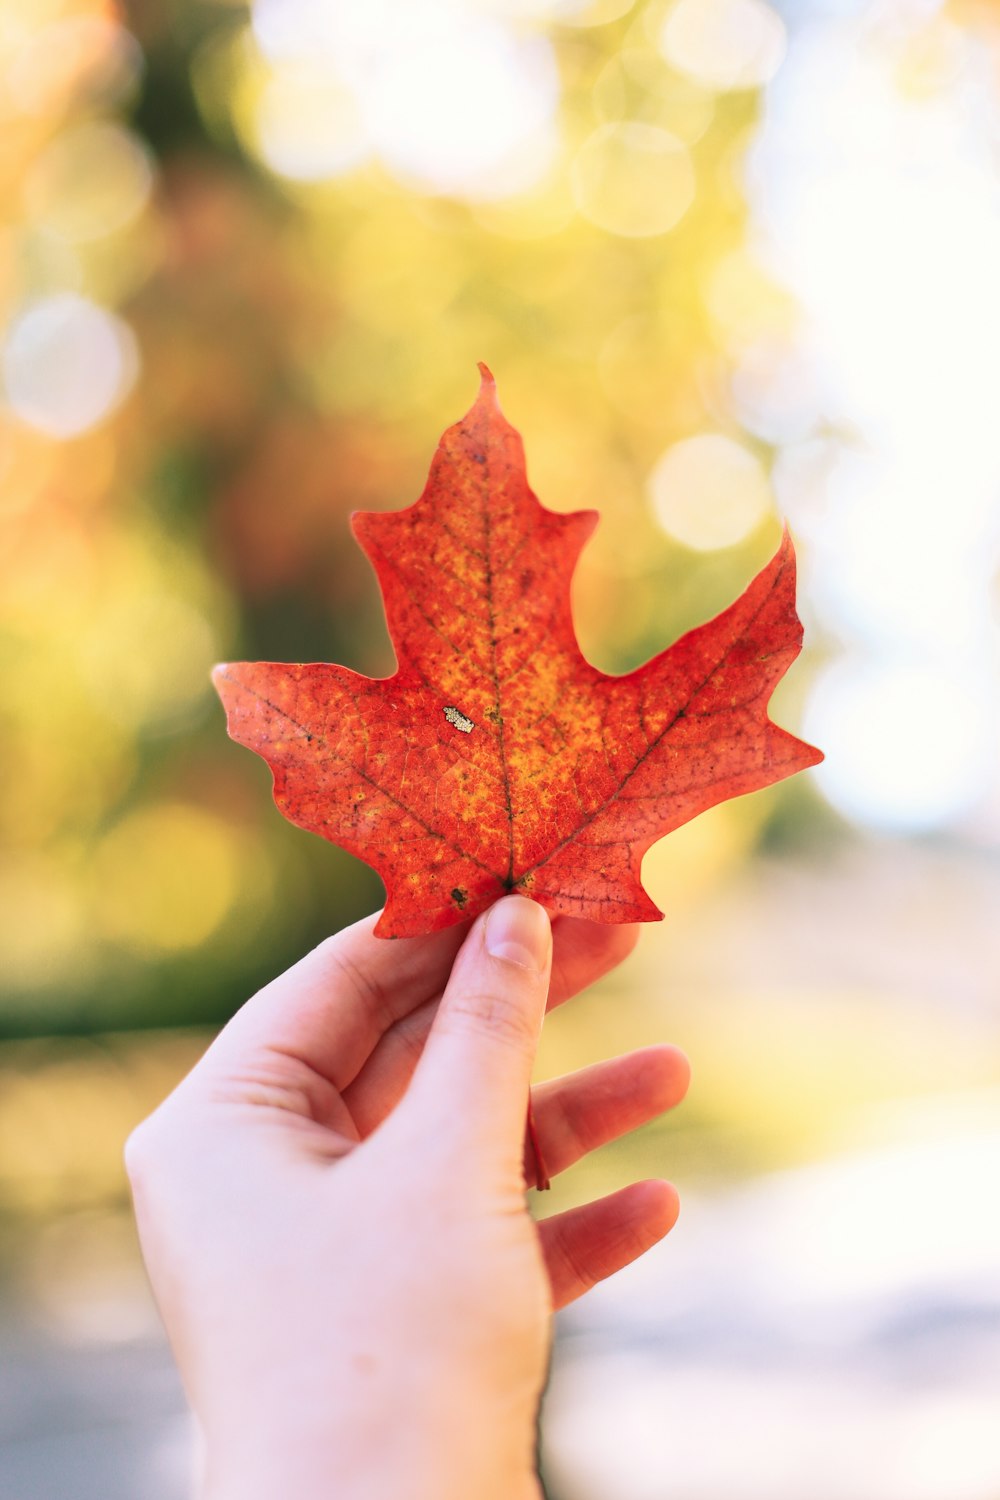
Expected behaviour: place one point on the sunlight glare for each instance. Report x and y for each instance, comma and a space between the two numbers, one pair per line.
451, 101
466, 109
906, 741
881, 216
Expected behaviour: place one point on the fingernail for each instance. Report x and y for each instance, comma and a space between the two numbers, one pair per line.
518, 931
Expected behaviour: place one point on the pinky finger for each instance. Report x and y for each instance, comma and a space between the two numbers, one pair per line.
585, 1245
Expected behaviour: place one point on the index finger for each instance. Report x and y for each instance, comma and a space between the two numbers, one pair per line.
328, 1010
582, 952
331, 1009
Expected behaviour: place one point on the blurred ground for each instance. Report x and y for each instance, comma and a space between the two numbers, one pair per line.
89, 1408
829, 1330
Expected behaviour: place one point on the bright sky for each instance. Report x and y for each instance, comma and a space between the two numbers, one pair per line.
876, 201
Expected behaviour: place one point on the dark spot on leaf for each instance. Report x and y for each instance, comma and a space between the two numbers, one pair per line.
459, 896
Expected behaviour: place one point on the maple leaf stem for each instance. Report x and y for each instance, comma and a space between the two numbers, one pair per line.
542, 1183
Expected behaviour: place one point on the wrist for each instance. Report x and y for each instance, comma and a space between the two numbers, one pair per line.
377, 1452
357, 1474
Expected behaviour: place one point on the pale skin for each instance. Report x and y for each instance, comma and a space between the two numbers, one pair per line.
332, 1211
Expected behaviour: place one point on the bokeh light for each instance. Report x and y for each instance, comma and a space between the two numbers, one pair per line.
464, 108
724, 44
309, 123
633, 179
448, 100
67, 363
164, 878
62, 59
709, 491
91, 181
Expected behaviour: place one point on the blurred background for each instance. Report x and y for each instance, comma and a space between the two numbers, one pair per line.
730, 261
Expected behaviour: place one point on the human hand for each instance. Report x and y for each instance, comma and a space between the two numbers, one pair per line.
331, 1208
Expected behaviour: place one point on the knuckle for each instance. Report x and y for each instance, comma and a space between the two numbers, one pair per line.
573, 1270
141, 1150
494, 1015
136, 1153
370, 992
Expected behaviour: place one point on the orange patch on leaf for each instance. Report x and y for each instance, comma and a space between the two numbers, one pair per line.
497, 758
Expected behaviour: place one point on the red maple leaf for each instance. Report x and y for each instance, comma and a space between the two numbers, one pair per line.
496, 758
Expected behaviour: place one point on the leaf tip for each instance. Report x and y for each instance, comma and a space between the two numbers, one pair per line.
587, 521
487, 394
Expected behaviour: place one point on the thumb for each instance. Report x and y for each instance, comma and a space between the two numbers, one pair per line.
475, 1069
